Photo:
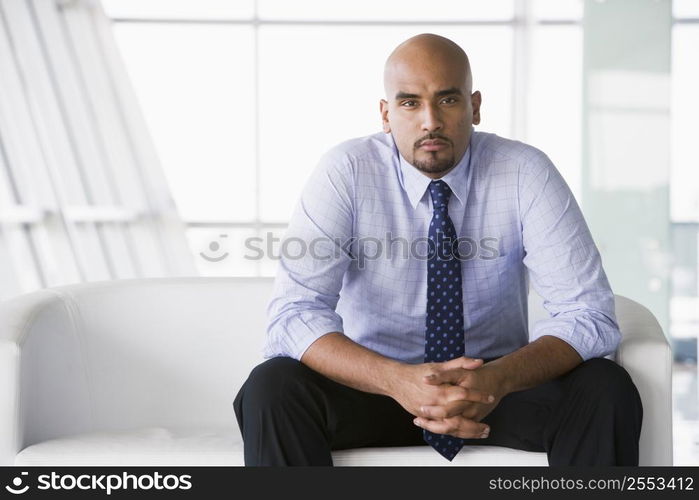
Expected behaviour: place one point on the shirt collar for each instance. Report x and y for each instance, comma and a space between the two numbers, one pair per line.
416, 183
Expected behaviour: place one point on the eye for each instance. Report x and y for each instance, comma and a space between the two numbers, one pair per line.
408, 104
449, 100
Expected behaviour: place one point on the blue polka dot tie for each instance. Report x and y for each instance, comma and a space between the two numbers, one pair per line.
444, 332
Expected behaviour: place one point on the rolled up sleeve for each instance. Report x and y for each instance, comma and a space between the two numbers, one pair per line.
315, 255
565, 267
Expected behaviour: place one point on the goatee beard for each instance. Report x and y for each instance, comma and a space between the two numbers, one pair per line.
434, 166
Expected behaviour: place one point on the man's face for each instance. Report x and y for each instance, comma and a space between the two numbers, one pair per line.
430, 111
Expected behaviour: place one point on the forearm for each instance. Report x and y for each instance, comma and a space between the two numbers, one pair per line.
341, 359
540, 361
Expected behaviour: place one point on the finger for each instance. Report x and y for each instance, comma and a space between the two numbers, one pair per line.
450, 376
458, 393
450, 372
471, 363
456, 376
457, 396
444, 377
435, 412
462, 362
455, 426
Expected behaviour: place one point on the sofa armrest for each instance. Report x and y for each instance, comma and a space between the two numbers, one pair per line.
43, 386
9, 398
646, 355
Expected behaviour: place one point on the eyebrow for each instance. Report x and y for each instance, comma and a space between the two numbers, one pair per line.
439, 93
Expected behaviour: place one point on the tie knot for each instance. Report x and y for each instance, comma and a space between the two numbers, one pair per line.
440, 192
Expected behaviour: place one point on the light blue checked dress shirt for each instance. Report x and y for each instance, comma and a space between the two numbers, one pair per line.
356, 254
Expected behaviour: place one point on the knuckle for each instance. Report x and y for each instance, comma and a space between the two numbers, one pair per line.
455, 410
473, 432
470, 413
452, 422
448, 393
438, 427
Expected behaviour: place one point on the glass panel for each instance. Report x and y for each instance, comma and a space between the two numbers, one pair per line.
626, 171
320, 86
18, 268
115, 241
685, 279
685, 8
196, 89
554, 107
393, 10
222, 251
180, 9
9, 283
684, 178
57, 258
559, 10
92, 250
7, 190
270, 247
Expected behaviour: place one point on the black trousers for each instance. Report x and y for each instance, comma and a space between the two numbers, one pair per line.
290, 414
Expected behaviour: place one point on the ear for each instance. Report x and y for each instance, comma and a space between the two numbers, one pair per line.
476, 104
383, 104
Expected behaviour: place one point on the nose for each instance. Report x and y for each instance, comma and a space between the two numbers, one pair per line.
431, 118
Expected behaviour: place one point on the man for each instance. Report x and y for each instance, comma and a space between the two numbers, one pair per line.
432, 347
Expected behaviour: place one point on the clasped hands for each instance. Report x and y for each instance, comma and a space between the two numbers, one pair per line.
451, 397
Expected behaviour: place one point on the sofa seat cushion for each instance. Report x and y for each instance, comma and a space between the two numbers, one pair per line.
157, 446
152, 446
427, 456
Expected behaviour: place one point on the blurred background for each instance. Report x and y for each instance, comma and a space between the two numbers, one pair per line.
156, 137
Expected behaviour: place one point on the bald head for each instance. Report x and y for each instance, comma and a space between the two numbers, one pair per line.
429, 107
426, 50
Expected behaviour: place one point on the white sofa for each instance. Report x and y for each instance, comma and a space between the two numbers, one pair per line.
144, 372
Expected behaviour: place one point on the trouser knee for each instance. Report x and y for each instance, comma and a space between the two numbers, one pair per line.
607, 384
269, 385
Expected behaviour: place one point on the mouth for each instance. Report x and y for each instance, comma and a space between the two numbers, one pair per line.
433, 145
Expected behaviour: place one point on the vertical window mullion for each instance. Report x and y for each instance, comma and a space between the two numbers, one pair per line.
256, 58
522, 27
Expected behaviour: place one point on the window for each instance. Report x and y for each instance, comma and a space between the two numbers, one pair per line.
684, 176
685, 123
242, 102
81, 195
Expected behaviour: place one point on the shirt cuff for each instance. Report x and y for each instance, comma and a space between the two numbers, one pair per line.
591, 337
291, 336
